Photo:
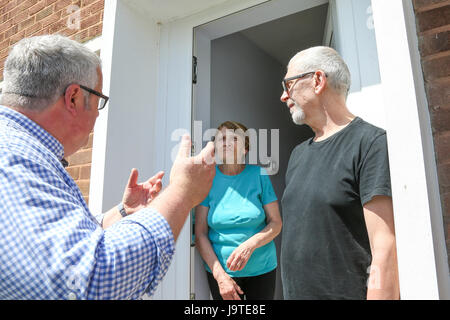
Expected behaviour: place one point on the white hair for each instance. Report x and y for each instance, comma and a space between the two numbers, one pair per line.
329, 61
39, 69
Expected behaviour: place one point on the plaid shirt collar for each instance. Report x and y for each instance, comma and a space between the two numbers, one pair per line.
33, 129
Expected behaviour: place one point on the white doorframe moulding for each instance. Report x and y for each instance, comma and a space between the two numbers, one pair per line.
422, 256
141, 55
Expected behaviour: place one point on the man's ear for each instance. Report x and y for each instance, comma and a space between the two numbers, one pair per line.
72, 98
320, 81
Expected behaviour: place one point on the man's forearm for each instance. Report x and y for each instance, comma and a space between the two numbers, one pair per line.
383, 283
174, 205
110, 217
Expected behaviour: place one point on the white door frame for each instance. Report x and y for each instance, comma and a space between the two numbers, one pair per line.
422, 256
418, 216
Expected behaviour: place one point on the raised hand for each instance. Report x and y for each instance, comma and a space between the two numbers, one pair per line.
139, 195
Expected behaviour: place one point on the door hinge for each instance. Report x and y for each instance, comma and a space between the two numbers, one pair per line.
194, 69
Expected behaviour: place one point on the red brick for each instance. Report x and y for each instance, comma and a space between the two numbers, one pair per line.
36, 8
87, 2
84, 186
424, 4
444, 175
90, 21
44, 13
74, 172
5, 25
437, 68
20, 17
80, 158
438, 92
85, 172
96, 6
25, 4
66, 31
434, 43
17, 37
442, 147
95, 30
11, 31
51, 19
33, 29
432, 19
27, 23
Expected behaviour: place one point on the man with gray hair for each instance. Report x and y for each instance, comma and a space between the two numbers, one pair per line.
338, 240
51, 246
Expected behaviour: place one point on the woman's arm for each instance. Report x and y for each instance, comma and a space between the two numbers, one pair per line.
228, 288
238, 259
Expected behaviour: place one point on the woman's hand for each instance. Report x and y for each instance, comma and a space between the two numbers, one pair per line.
138, 196
228, 288
239, 257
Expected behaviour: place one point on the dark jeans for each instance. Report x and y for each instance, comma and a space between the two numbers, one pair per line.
260, 287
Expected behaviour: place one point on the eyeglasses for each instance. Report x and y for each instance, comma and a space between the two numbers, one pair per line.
285, 81
103, 99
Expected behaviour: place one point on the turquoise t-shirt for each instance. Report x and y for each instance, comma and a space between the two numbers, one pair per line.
236, 213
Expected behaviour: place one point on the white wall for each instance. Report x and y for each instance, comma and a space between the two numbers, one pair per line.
124, 131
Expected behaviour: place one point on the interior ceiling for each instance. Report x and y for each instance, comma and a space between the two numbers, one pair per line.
284, 37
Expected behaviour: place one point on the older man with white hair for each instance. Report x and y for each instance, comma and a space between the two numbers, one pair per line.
338, 240
51, 246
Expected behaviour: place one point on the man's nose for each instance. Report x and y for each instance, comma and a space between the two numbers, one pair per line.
284, 96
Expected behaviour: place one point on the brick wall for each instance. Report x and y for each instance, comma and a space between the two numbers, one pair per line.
433, 27
81, 20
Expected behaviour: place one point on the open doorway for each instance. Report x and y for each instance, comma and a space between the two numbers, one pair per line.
238, 77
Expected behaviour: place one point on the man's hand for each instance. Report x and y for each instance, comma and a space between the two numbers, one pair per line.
190, 181
193, 175
138, 196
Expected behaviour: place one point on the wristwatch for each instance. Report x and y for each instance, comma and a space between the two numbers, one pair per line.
122, 209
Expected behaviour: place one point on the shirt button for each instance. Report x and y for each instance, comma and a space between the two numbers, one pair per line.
72, 296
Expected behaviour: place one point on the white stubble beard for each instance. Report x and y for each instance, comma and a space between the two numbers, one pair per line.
298, 116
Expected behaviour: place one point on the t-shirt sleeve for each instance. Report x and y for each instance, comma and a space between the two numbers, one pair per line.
205, 202
268, 194
374, 176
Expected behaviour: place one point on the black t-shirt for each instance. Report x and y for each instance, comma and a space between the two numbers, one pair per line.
325, 250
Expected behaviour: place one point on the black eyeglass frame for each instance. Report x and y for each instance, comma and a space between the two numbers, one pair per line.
285, 80
105, 98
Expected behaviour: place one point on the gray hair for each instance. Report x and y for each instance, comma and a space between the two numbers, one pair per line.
39, 69
327, 60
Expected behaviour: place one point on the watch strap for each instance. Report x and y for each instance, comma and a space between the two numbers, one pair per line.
121, 208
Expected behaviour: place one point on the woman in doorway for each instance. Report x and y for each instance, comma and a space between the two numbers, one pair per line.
236, 223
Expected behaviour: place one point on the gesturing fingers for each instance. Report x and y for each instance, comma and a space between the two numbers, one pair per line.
132, 180
185, 147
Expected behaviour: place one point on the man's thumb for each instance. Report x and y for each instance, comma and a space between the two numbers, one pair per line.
185, 147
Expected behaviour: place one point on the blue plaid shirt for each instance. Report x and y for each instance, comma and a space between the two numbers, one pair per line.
51, 246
